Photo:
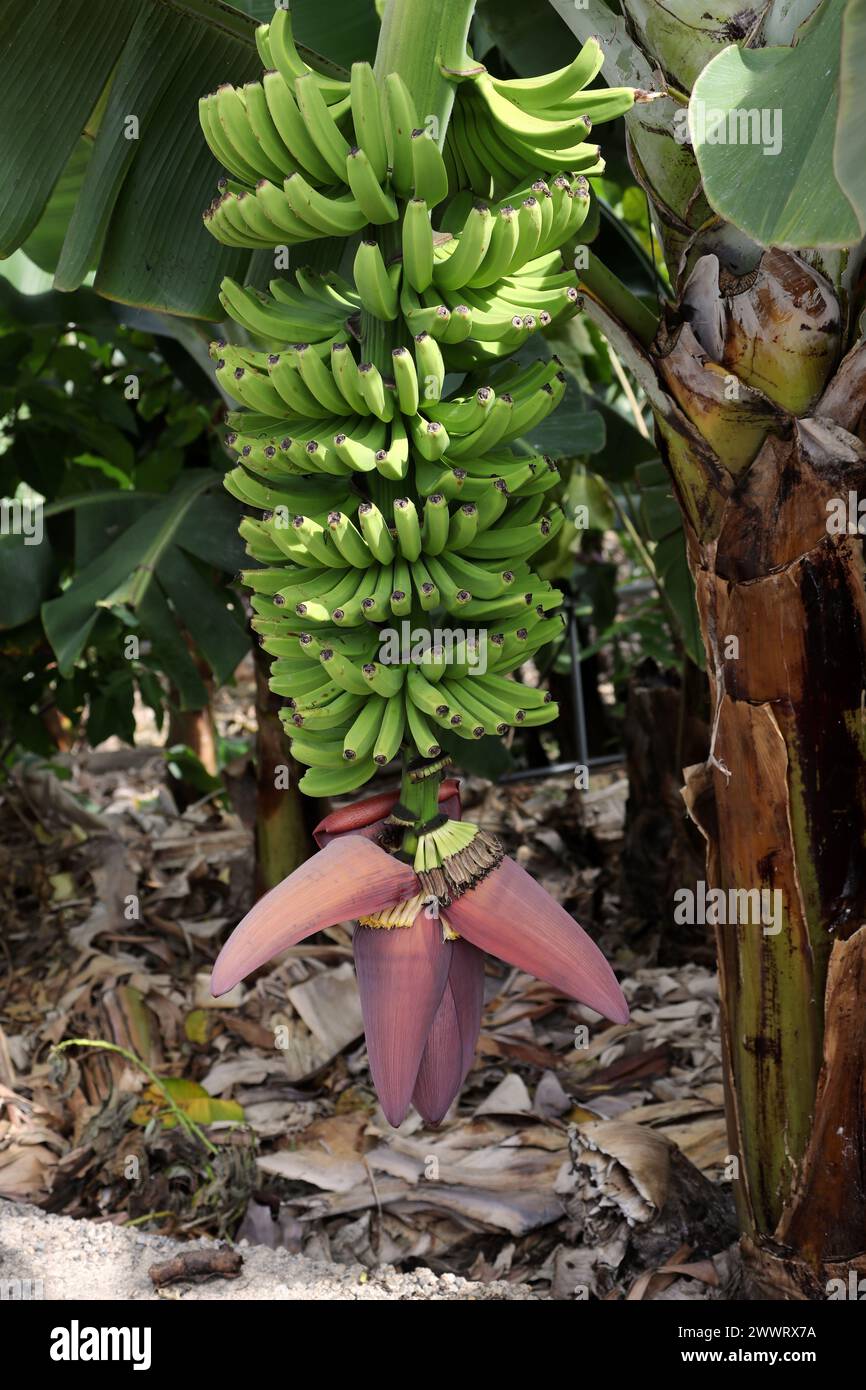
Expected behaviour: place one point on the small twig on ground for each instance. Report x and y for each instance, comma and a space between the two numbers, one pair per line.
197, 1265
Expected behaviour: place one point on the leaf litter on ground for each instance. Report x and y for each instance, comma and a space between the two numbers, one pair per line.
585, 1159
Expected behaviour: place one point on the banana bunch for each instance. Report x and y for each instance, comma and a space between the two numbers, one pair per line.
391, 521
346, 419
502, 130
313, 156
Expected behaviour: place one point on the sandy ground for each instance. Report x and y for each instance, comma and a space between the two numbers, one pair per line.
86, 1260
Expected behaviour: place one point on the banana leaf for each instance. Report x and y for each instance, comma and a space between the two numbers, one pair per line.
769, 168
848, 158
146, 575
89, 191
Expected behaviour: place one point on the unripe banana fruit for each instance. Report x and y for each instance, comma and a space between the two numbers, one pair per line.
392, 526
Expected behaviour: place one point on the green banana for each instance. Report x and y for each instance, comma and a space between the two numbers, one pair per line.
478, 173
512, 540
361, 736
430, 177
292, 389
493, 429
330, 289
417, 245
323, 129
469, 251
349, 540
393, 462
405, 380
375, 202
401, 594
344, 369
319, 610
329, 715
385, 680
475, 714
317, 541
429, 437
231, 112
430, 366
480, 581
377, 288
420, 732
540, 93
372, 388
455, 598
376, 534
402, 120
292, 130
376, 605
435, 524
266, 131
220, 146
279, 43
264, 318
459, 327
249, 387
317, 754
359, 451
327, 781
439, 476
422, 318
329, 216
428, 699
367, 118
428, 593
408, 528
390, 734
317, 377
340, 668
462, 526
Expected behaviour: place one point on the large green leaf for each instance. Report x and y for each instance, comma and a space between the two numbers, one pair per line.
204, 613
26, 572
572, 430
122, 574
45, 242
130, 209
791, 197
532, 38
150, 244
170, 650
56, 56
661, 518
848, 157
624, 447
345, 31
214, 538
137, 218
37, 310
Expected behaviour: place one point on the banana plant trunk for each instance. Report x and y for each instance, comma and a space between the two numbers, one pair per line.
757, 382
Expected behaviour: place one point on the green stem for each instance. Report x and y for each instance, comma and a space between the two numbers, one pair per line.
180, 1115
422, 799
418, 39
632, 313
378, 337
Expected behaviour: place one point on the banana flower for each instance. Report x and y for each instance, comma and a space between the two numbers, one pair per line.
419, 944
